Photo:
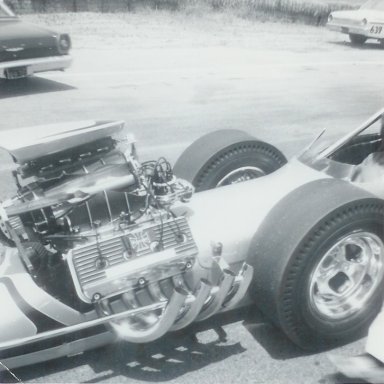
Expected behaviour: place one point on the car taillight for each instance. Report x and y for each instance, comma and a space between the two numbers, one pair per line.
64, 43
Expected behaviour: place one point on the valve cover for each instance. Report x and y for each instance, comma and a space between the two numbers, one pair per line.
113, 263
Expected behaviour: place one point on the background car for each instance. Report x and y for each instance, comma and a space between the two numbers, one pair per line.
365, 23
26, 49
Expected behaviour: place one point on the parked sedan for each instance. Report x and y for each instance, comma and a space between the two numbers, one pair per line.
362, 24
26, 49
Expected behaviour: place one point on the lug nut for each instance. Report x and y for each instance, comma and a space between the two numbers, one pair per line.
142, 281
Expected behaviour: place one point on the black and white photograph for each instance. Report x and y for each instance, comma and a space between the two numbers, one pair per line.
192, 191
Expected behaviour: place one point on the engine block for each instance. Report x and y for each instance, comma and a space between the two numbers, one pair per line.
118, 262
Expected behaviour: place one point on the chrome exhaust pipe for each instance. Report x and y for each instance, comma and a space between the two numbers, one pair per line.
216, 301
130, 301
242, 282
156, 292
126, 331
195, 307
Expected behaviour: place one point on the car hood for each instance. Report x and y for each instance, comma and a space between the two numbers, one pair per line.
360, 14
18, 30
19, 40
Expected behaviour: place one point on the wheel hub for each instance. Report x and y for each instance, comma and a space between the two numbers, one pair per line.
347, 275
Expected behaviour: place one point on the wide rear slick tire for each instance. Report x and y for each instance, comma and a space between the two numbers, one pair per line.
225, 157
301, 255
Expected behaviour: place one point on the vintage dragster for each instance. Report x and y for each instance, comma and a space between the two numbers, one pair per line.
97, 246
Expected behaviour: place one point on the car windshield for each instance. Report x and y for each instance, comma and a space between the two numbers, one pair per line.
329, 142
5, 12
374, 4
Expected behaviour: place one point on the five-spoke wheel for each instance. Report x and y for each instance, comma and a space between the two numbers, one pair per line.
347, 275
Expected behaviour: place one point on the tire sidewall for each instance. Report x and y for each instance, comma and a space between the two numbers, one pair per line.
233, 158
357, 39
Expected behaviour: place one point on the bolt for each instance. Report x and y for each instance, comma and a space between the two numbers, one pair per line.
127, 255
181, 238
101, 263
185, 266
96, 297
217, 248
97, 223
142, 281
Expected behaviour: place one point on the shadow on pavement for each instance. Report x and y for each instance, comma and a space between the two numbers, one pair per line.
161, 362
280, 347
30, 86
338, 378
168, 358
369, 46
275, 342
175, 354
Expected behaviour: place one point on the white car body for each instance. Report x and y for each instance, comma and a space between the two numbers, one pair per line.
366, 22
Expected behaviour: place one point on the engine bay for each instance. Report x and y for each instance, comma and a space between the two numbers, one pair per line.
93, 212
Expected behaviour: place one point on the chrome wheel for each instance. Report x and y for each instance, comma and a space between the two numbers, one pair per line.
347, 276
241, 174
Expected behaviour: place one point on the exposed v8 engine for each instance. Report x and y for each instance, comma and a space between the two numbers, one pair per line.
95, 209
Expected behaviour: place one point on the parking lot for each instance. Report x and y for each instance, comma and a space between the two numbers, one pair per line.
173, 78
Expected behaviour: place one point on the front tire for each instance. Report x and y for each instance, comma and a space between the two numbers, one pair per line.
357, 39
226, 157
319, 263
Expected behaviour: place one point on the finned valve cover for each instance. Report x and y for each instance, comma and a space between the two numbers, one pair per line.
118, 262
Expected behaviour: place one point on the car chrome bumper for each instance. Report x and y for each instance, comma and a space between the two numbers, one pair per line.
357, 30
347, 29
41, 64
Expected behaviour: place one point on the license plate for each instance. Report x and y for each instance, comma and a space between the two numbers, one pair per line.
16, 73
376, 29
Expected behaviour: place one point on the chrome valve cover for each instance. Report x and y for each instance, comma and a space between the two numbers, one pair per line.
117, 262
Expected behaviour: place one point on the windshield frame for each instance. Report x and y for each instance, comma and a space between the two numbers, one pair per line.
316, 153
8, 14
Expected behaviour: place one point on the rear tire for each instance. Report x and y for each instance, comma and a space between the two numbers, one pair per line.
319, 263
357, 39
226, 157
